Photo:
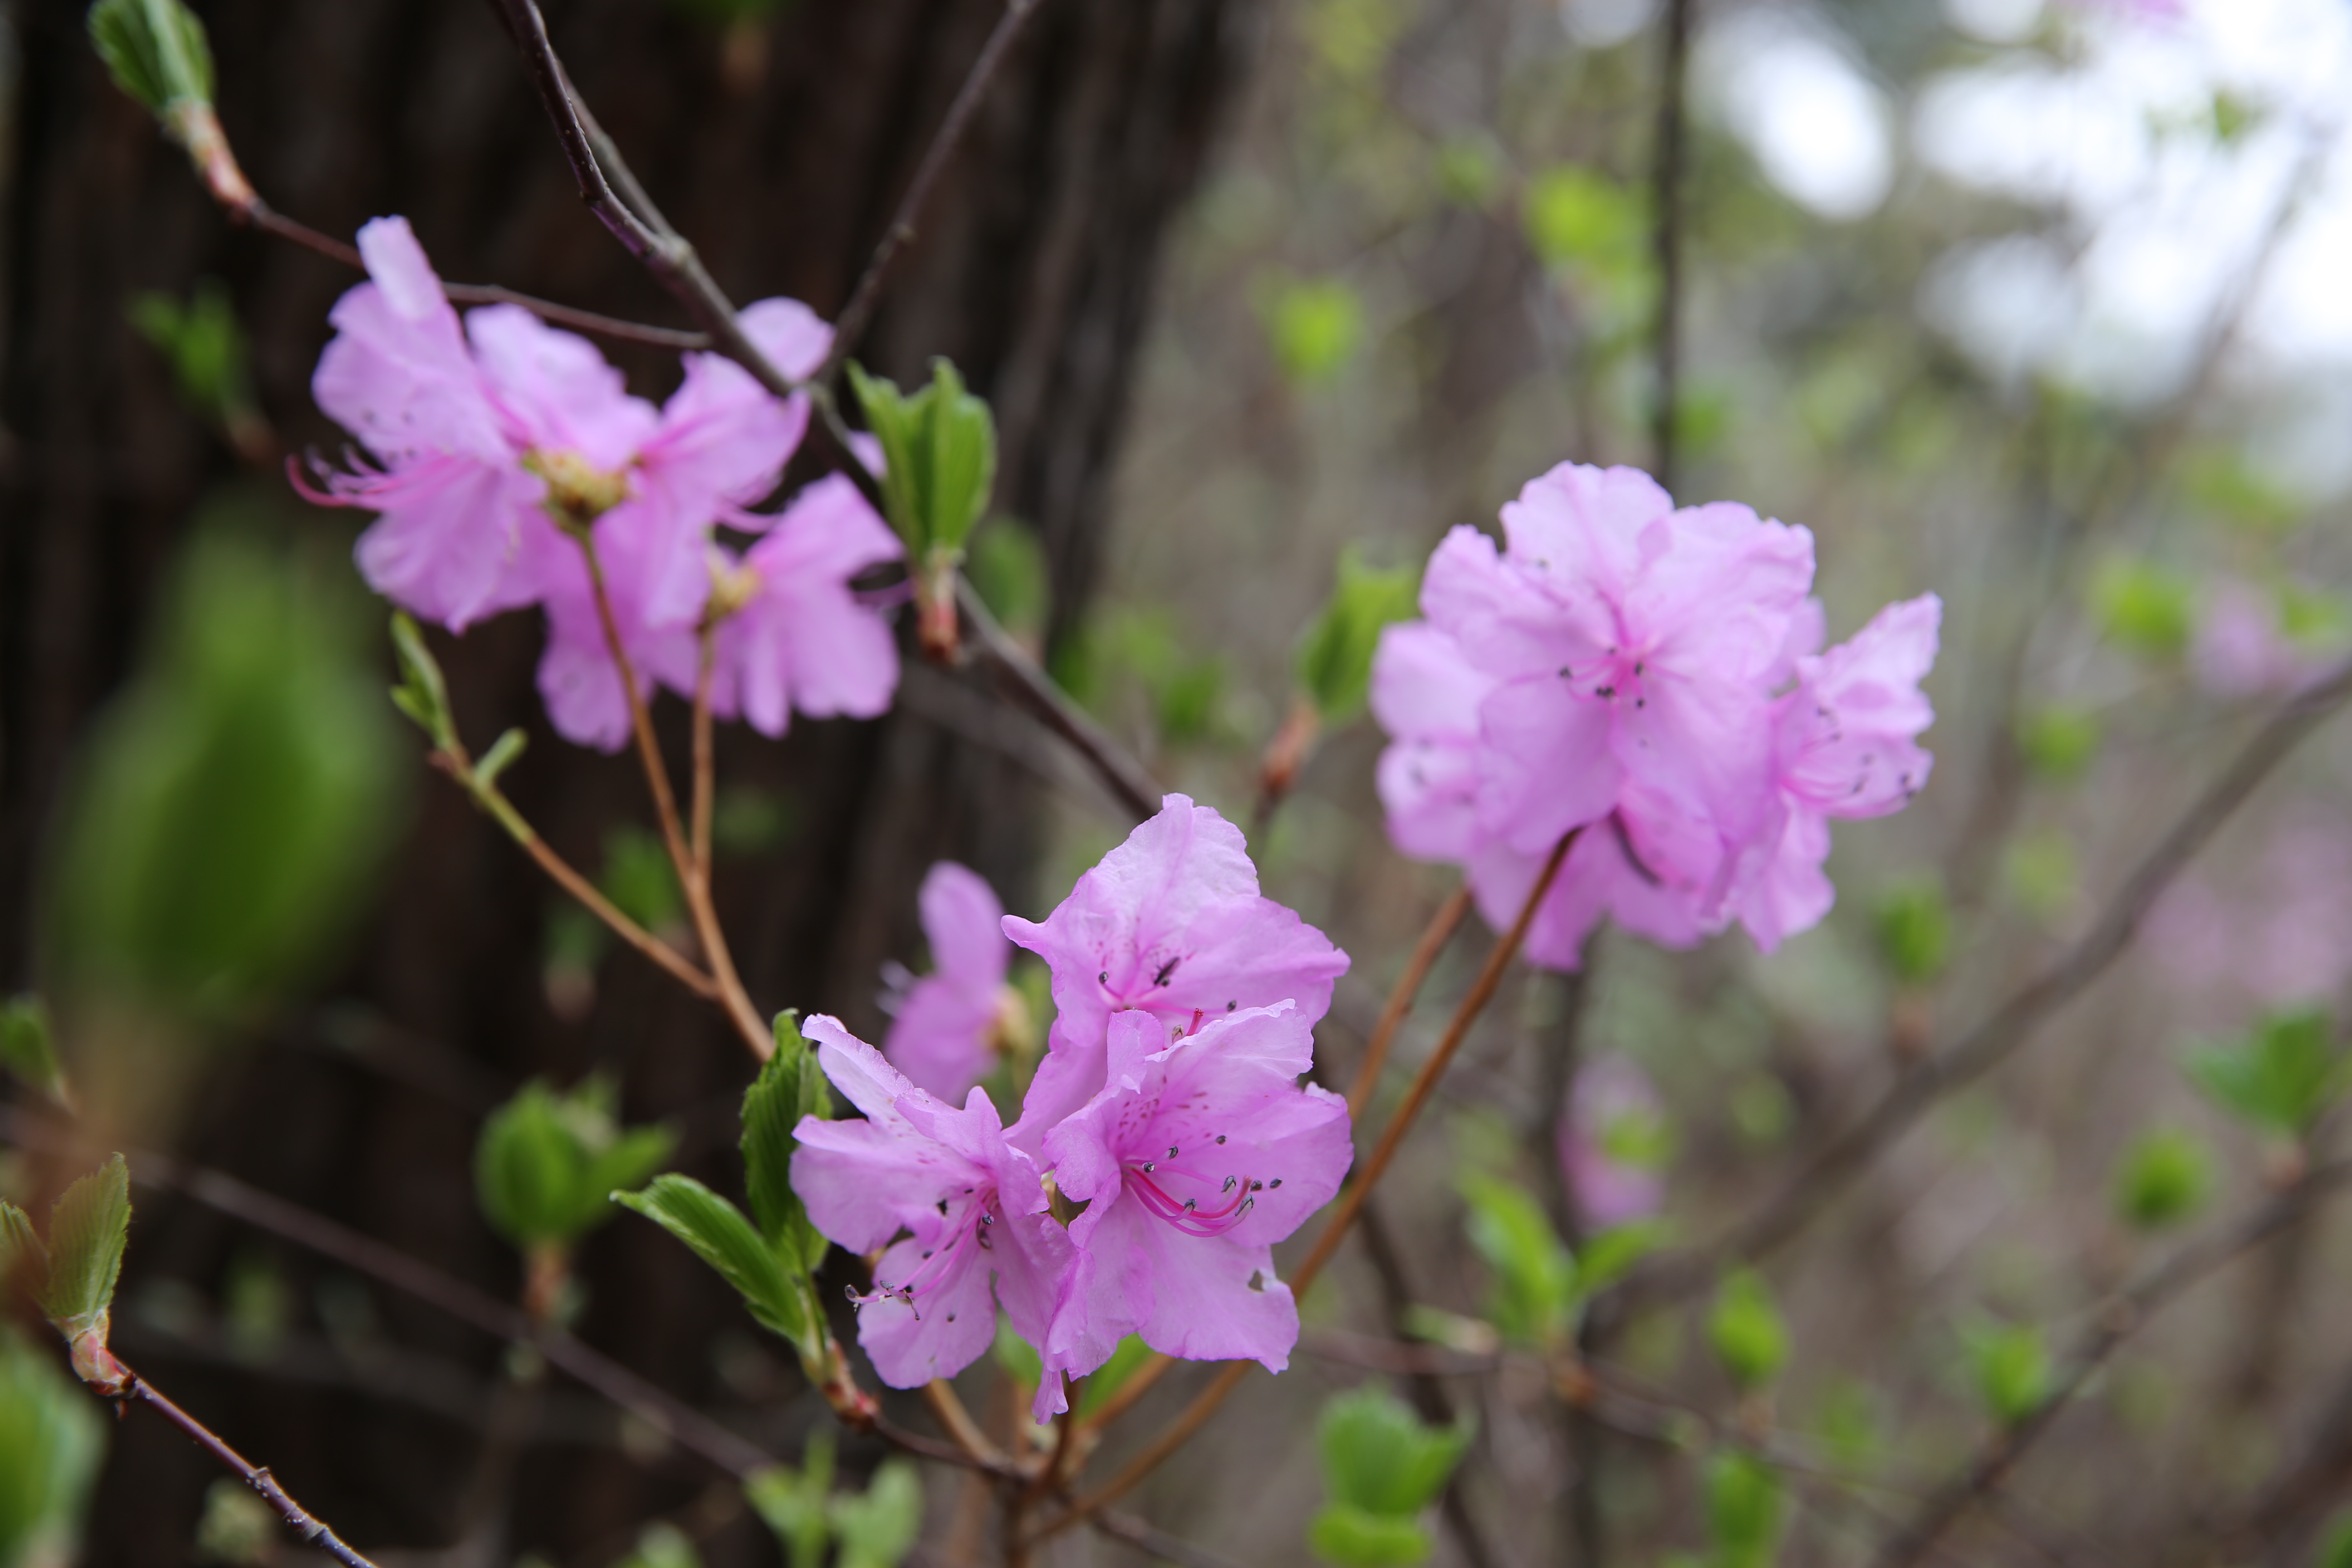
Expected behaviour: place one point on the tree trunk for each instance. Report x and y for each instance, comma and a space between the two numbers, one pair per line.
781, 150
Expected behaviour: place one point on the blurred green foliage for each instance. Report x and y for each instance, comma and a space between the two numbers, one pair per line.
237, 1527
1382, 1466
2059, 741
1533, 1295
2280, 1076
207, 349
546, 1164
155, 50
26, 1049
873, 1528
1334, 663
1313, 326
52, 1438
1914, 921
1007, 567
1135, 657
2162, 1179
1746, 1332
2144, 607
228, 809
2010, 1367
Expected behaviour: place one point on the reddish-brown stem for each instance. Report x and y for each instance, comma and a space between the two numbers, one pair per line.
1351, 1202
308, 1525
851, 324
584, 892
705, 770
693, 876
957, 1422
1434, 937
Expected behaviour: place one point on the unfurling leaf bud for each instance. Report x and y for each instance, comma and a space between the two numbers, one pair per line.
2011, 1369
2282, 1077
1382, 1466
938, 465
1747, 1332
158, 55
2162, 1179
546, 1164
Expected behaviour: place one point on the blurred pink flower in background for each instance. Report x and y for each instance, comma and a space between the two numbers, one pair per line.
2244, 647
1610, 1140
944, 1037
2279, 935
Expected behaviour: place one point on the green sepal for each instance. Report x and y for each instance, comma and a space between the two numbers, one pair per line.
155, 50
88, 1229
722, 1238
790, 1086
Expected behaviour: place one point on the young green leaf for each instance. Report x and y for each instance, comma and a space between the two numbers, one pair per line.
25, 1047
1914, 929
720, 1236
546, 1164
2162, 1179
155, 50
206, 349
500, 757
1607, 1254
662, 1545
638, 878
2011, 1369
89, 1227
2336, 1544
791, 1086
1313, 326
422, 693
1744, 1509
878, 1527
939, 450
1746, 1332
1351, 1538
52, 1440
1534, 1297
796, 1503
2282, 1077
2144, 608
20, 1248
1379, 1458
2059, 742
1577, 218
1335, 657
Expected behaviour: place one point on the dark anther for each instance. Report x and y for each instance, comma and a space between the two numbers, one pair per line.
1220, 1137
1104, 978
1231, 1005
1258, 1279
1605, 691
1167, 969
1171, 1150
1260, 1186
1149, 1166
1276, 1182
943, 1205
1228, 1187
1189, 1204
950, 1317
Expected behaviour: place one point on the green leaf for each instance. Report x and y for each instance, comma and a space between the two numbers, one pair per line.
1607, 1254
1315, 326
1746, 1332
1914, 929
2011, 1369
155, 50
89, 1227
662, 1545
546, 1164
720, 1236
640, 879
2281, 1077
1744, 1510
52, 1440
938, 449
795, 1504
1576, 217
1106, 1379
2059, 742
25, 1046
880, 1526
790, 1086
1533, 1300
20, 1246
2143, 607
2162, 1179
1353, 1539
1470, 171
500, 757
1008, 571
233, 804
1335, 657
422, 693
1378, 1457
205, 347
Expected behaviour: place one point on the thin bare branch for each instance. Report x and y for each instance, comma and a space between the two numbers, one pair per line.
1666, 235
1434, 937
2114, 1323
308, 1525
851, 324
1030, 689
1845, 1157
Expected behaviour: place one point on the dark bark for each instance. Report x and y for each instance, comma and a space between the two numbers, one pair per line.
1032, 270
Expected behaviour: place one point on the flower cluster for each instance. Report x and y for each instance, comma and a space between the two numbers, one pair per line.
503, 448
1645, 677
1168, 1105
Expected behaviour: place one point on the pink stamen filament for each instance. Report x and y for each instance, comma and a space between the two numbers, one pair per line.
1188, 1217
978, 1219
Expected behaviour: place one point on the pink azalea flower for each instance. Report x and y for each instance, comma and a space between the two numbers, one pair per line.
1607, 1189
1195, 1158
1845, 745
793, 636
941, 1038
1171, 924
1613, 669
970, 1206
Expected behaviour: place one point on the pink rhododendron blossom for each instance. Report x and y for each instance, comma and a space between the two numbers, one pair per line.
943, 1037
1171, 924
1845, 744
792, 636
1609, 1105
1197, 1156
970, 1207
2243, 646
1617, 669
484, 437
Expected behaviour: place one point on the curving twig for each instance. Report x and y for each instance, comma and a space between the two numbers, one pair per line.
1666, 238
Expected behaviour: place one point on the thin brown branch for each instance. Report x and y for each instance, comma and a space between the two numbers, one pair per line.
705, 768
1351, 1202
692, 874
313, 1530
957, 1422
1156, 1542
1030, 689
1434, 937
669, 257
1846, 1156
851, 324
1666, 235
2115, 1323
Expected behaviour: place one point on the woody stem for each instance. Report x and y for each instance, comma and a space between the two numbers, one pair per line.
693, 876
